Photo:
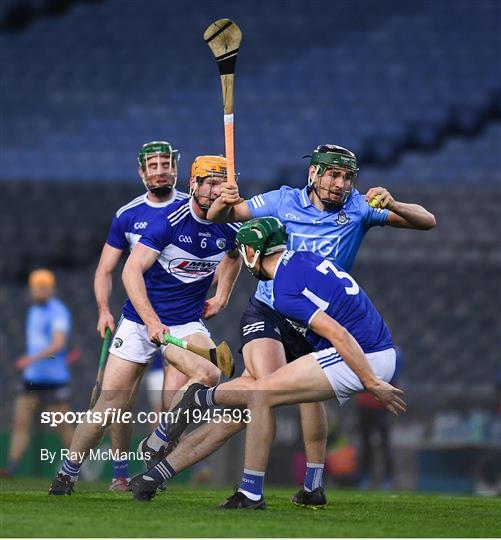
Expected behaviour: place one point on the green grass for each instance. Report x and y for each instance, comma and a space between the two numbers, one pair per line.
26, 510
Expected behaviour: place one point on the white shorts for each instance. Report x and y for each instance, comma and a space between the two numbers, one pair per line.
154, 386
131, 342
154, 380
343, 380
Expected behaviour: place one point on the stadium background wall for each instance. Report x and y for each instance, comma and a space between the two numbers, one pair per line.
422, 113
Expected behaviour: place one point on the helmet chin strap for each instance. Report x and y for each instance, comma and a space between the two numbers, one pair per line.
251, 264
161, 191
204, 207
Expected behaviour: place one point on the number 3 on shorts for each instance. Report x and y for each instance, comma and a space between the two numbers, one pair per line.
326, 265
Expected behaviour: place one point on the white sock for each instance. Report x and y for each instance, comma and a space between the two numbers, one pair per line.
155, 442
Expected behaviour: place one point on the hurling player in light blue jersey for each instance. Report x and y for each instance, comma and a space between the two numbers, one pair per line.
158, 169
352, 350
167, 277
45, 374
328, 217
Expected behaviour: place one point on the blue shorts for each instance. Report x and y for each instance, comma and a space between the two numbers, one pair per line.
260, 321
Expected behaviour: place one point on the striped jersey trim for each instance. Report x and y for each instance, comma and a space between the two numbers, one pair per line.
235, 226
179, 214
179, 218
257, 201
177, 211
131, 204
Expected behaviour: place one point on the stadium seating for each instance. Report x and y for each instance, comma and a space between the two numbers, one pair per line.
374, 77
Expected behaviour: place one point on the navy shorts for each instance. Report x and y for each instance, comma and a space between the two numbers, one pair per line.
260, 321
49, 394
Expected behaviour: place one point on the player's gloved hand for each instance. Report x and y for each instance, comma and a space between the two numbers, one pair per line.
211, 308
388, 395
156, 331
104, 321
380, 197
229, 194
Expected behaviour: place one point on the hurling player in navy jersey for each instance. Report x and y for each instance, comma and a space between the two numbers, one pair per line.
353, 348
328, 217
158, 169
167, 277
352, 351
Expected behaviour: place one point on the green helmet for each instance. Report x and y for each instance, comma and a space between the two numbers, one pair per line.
156, 147
331, 155
265, 235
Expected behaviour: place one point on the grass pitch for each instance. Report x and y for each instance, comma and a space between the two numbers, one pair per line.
26, 510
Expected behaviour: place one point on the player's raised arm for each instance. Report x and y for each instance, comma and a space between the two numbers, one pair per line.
103, 285
402, 215
229, 206
228, 271
140, 260
351, 352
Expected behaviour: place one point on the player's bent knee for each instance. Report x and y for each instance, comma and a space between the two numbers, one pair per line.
112, 398
259, 397
207, 374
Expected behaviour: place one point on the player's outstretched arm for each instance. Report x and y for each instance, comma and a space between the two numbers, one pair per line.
138, 262
228, 272
351, 352
103, 282
402, 215
56, 345
229, 207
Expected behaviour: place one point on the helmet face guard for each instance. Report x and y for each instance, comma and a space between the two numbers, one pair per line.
331, 157
265, 236
158, 161
207, 172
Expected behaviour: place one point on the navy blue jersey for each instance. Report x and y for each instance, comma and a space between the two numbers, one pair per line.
335, 235
306, 283
189, 250
131, 220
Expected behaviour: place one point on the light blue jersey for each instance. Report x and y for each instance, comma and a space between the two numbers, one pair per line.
42, 321
334, 235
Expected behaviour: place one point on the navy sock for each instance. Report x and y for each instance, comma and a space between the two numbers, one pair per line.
121, 469
160, 472
252, 484
314, 477
205, 397
71, 469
